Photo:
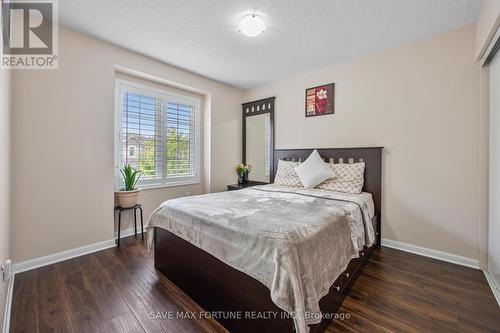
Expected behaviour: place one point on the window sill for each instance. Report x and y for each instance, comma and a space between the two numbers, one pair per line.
146, 187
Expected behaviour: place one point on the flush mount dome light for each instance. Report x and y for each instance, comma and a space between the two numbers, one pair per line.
252, 25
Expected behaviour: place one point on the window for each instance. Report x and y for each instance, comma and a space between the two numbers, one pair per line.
157, 132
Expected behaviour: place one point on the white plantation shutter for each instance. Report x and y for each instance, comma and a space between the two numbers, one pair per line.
142, 122
159, 134
180, 139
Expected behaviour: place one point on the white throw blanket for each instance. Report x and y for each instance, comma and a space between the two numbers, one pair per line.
294, 241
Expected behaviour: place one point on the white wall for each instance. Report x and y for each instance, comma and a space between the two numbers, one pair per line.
494, 172
62, 145
486, 28
421, 102
487, 24
4, 179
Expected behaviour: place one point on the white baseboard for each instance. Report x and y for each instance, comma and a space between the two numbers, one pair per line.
493, 285
430, 253
30, 264
8, 304
128, 232
27, 265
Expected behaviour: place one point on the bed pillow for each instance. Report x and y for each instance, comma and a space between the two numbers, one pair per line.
349, 178
285, 175
313, 171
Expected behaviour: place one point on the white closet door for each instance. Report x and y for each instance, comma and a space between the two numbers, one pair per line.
494, 172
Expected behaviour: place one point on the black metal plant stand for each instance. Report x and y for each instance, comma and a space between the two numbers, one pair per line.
135, 208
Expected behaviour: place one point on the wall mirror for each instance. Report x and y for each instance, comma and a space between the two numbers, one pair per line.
258, 138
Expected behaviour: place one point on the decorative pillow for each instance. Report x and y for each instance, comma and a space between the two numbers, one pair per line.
285, 175
313, 171
349, 178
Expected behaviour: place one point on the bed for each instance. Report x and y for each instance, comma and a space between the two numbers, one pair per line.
271, 258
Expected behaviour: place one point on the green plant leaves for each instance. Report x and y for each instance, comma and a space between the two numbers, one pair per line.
130, 177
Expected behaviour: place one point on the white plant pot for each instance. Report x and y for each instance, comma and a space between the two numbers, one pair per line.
127, 199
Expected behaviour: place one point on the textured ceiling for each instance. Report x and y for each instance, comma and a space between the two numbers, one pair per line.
201, 35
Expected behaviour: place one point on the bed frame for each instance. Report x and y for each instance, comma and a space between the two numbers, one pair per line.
228, 293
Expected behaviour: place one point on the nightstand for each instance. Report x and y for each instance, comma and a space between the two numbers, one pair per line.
234, 187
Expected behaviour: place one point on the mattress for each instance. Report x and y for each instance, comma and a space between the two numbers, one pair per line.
295, 241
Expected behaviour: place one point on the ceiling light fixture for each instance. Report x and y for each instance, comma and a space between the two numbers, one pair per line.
252, 25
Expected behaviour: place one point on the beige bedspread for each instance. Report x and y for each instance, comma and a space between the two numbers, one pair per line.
295, 241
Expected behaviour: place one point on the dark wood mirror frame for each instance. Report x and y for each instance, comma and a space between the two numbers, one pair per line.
255, 108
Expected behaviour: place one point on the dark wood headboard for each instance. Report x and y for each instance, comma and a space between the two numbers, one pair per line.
372, 156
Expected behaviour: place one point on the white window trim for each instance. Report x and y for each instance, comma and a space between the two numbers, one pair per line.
118, 149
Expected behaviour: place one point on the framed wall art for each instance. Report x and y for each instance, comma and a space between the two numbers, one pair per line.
320, 100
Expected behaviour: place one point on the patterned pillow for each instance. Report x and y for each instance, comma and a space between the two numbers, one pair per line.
286, 176
349, 178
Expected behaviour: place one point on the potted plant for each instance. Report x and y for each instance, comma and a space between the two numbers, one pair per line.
248, 168
243, 170
127, 196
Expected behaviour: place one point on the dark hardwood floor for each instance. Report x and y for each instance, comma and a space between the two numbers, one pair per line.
118, 290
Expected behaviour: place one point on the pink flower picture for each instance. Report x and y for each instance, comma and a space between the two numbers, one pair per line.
320, 100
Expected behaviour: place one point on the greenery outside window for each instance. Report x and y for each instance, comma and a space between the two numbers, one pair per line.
157, 132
